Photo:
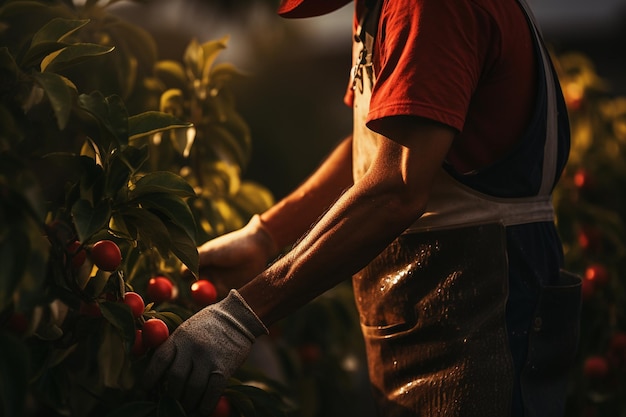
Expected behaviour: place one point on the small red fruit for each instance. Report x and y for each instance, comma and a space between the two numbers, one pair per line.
222, 409
160, 289
78, 255
590, 239
596, 367
138, 348
155, 332
598, 274
203, 292
106, 255
583, 180
135, 302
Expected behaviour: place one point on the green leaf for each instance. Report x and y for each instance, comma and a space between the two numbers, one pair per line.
151, 122
193, 59
171, 73
162, 182
151, 232
182, 140
88, 219
226, 145
14, 373
236, 124
265, 403
117, 174
96, 104
134, 409
135, 156
210, 50
110, 113
172, 101
220, 178
253, 198
91, 182
172, 320
183, 246
118, 118
61, 92
120, 316
57, 29
111, 357
119, 228
241, 401
172, 207
136, 42
48, 39
224, 72
169, 407
35, 54
94, 285
73, 54
225, 216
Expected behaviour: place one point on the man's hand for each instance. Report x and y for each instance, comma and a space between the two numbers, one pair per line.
233, 259
197, 360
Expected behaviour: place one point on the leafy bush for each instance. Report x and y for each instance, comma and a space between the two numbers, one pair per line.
100, 141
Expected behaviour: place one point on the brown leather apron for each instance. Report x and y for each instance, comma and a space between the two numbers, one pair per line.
432, 305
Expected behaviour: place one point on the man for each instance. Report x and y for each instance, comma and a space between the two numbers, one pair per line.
439, 207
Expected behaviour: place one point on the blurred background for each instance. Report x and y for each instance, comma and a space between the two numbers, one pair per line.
298, 69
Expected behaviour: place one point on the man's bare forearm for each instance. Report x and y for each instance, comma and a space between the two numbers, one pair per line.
360, 224
344, 240
291, 217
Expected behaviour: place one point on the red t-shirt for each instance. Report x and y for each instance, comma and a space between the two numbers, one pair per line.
466, 63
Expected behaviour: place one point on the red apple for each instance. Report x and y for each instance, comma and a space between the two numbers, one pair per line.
106, 255
160, 289
203, 292
155, 332
135, 302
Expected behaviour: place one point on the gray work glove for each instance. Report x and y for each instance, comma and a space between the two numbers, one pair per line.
197, 360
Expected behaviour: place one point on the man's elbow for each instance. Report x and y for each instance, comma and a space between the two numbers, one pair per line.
405, 204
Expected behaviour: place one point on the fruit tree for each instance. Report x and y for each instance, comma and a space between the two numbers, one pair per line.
102, 190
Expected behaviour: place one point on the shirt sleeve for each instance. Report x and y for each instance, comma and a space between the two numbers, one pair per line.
428, 60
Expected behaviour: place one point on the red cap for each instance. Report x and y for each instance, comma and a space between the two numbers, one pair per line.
309, 8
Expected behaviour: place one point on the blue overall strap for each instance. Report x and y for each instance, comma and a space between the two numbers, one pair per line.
551, 145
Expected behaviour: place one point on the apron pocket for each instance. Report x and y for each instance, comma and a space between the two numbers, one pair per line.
553, 342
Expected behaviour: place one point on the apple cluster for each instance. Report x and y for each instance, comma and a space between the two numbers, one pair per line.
151, 331
161, 289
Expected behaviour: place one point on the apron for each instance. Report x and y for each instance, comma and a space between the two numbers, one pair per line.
432, 306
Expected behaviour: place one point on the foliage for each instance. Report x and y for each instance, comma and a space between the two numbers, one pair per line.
80, 163
591, 213
217, 148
